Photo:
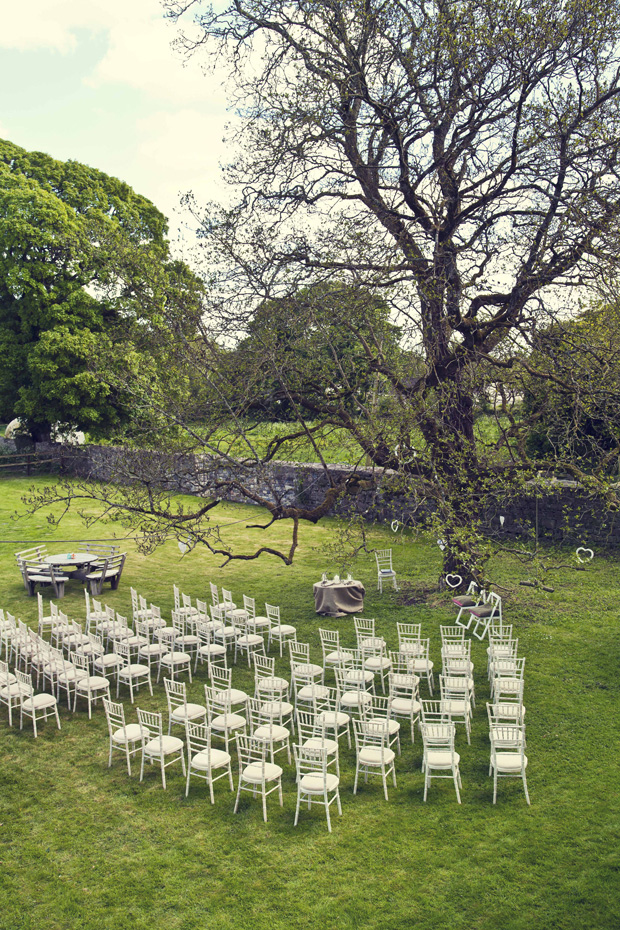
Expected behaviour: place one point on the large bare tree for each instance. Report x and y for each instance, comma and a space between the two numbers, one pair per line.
458, 158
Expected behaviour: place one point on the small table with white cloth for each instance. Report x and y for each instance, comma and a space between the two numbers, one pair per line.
339, 598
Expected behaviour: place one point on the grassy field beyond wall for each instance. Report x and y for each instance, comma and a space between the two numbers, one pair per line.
84, 846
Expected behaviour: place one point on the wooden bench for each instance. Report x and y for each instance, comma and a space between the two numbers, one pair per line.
111, 570
40, 573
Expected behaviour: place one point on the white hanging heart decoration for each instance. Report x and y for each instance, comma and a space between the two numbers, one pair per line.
441, 544
183, 547
454, 581
395, 525
589, 553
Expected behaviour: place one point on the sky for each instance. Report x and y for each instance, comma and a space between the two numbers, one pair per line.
97, 81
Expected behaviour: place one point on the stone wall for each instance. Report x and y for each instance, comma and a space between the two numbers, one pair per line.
562, 512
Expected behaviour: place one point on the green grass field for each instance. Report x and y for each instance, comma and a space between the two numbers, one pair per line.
84, 846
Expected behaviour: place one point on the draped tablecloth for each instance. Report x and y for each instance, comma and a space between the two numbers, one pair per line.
338, 598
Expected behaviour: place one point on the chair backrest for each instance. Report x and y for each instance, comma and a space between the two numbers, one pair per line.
115, 715
403, 685
310, 759
217, 615
177, 597
227, 599
215, 597
25, 684
251, 751
439, 736
509, 668
342, 685
408, 632
435, 712
264, 666
198, 738
80, 661
452, 633
299, 652
371, 733
143, 629
176, 693
221, 678
364, 628
249, 605
134, 600
151, 725
178, 621
201, 607
166, 637
122, 649
508, 738
273, 613
330, 640
384, 559
380, 706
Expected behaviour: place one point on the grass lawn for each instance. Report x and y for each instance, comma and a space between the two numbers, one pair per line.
84, 846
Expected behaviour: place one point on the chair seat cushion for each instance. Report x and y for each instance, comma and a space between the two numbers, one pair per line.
134, 670
283, 629
39, 702
339, 657
93, 683
421, 665
464, 601
317, 742
276, 708
13, 690
228, 722
212, 649
109, 660
508, 761
249, 640
317, 783
214, 758
168, 745
452, 706
275, 732
308, 670
374, 755
308, 692
378, 663
393, 726
231, 696
256, 773
129, 734
188, 712
332, 718
402, 705
372, 642
357, 675
441, 758
272, 684
411, 649
176, 658
355, 698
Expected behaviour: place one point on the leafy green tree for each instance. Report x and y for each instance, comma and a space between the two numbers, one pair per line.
83, 263
574, 413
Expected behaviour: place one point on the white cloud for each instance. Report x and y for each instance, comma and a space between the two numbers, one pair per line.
52, 24
179, 152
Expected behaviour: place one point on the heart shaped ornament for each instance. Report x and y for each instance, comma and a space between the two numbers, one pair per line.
453, 581
584, 555
183, 547
395, 525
